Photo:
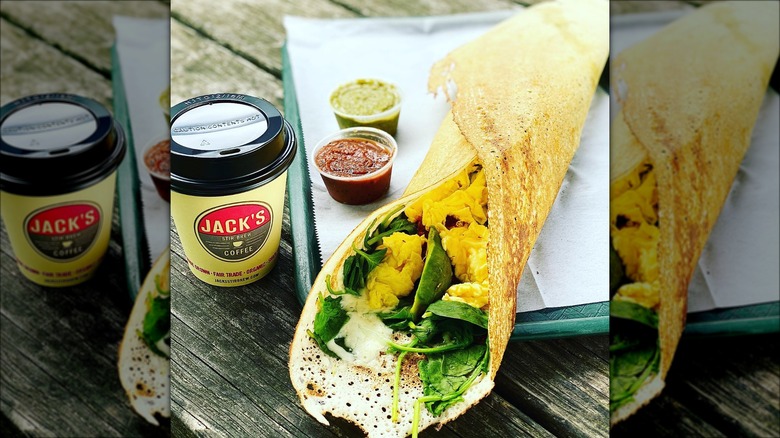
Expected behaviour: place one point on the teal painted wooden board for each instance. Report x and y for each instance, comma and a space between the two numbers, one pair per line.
134, 244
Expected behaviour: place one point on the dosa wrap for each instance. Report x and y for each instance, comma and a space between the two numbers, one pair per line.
523, 91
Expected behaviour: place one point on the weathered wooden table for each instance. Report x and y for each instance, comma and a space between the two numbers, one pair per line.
59, 346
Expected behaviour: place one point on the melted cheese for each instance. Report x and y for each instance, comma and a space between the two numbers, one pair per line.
366, 335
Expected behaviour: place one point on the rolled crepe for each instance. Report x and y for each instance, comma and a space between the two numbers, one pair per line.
522, 94
689, 97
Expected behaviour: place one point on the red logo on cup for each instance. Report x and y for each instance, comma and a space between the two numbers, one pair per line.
63, 232
234, 232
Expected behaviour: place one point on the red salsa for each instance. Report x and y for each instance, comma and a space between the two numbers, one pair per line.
351, 169
158, 162
158, 158
352, 157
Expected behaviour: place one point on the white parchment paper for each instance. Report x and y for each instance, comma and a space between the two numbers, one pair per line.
569, 263
739, 263
143, 46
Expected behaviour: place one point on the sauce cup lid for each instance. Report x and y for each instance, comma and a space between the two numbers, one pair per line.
57, 143
223, 144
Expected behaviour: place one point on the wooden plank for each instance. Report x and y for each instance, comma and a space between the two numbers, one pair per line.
404, 8
216, 390
59, 353
81, 29
183, 424
749, 405
32, 67
665, 416
733, 384
255, 31
560, 383
201, 66
496, 417
251, 29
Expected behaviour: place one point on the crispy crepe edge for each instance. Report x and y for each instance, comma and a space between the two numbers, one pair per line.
695, 133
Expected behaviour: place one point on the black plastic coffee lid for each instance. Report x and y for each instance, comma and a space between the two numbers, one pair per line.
52, 144
222, 144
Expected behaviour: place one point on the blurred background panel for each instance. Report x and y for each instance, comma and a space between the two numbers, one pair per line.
59, 346
720, 383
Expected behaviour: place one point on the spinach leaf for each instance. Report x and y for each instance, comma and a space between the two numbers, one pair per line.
437, 336
426, 330
398, 225
371, 260
157, 321
616, 271
634, 357
354, 273
321, 343
358, 265
156, 325
342, 342
328, 321
338, 292
397, 319
458, 310
447, 325
436, 275
633, 312
397, 382
446, 376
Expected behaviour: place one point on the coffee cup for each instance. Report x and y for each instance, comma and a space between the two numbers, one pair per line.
59, 153
229, 159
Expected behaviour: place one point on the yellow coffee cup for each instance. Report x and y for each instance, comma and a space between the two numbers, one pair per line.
229, 159
59, 153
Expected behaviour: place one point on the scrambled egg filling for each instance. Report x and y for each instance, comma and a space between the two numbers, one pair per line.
395, 276
464, 198
467, 248
473, 294
635, 234
461, 204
